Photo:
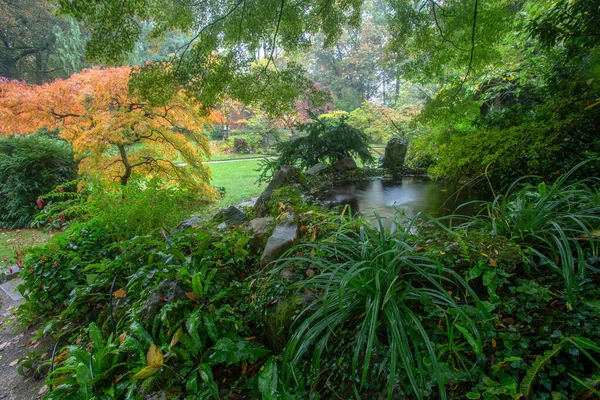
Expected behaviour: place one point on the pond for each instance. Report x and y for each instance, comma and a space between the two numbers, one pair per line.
411, 194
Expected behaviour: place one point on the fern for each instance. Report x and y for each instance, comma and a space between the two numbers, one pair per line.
538, 365
579, 342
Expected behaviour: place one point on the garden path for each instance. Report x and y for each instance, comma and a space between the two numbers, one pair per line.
14, 345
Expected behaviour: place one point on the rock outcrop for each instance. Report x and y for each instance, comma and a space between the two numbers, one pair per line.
395, 152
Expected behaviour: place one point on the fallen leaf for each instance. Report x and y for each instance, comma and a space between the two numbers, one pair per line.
122, 337
310, 272
244, 368
191, 295
493, 262
13, 363
120, 293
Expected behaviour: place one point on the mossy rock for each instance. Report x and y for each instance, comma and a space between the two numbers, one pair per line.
279, 319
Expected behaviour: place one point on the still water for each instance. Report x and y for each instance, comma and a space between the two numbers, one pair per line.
411, 194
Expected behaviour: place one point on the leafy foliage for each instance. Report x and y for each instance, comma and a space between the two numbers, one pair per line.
557, 224
114, 134
376, 287
324, 140
30, 167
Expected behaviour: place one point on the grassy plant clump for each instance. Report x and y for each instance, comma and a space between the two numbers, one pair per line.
372, 284
557, 223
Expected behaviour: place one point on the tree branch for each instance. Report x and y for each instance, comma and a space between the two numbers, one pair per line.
470, 68
444, 38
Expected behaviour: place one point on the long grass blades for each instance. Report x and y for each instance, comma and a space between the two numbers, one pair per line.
373, 285
556, 224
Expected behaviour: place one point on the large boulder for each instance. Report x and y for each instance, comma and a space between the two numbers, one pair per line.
316, 169
287, 175
230, 215
395, 152
345, 164
284, 237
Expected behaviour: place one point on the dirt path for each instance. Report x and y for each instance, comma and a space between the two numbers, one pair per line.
15, 345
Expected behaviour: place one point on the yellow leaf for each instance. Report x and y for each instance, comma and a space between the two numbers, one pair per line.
120, 293
176, 337
154, 357
146, 372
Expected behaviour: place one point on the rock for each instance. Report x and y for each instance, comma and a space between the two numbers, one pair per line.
287, 175
284, 237
316, 169
279, 319
345, 164
166, 292
247, 203
222, 226
188, 223
230, 215
261, 226
287, 273
395, 151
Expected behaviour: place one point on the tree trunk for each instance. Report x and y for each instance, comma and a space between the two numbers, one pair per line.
128, 169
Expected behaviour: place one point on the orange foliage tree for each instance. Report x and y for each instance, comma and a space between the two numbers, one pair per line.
111, 131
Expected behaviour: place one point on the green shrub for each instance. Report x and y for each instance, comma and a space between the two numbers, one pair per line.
31, 166
324, 140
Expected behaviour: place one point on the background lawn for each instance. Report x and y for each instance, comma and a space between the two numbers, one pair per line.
19, 240
239, 180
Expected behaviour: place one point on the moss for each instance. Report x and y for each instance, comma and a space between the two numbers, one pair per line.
280, 318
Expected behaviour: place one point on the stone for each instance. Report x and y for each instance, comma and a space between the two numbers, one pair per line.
166, 292
188, 223
345, 164
261, 226
10, 288
287, 273
278, 320
222, 226
287, 175
284, 237
316, 169
230, 215
395, 152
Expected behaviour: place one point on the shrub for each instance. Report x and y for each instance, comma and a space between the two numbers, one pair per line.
31, 166
240, 146
324, 140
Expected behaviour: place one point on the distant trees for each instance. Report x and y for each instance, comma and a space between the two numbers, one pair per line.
35, 44
114, 133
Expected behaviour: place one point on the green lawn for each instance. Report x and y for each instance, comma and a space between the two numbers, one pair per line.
225, 156
19, 240
239, 180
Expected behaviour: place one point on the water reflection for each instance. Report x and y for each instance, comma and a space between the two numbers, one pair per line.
410, 194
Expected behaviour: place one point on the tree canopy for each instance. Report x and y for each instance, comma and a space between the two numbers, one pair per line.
111, 131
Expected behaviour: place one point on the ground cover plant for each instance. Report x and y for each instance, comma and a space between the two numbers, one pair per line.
420, 310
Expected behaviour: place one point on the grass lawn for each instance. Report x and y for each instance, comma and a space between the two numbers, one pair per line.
239, 180
216, 157
18, 241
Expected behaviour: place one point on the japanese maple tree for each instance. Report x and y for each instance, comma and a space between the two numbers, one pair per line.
112, 132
